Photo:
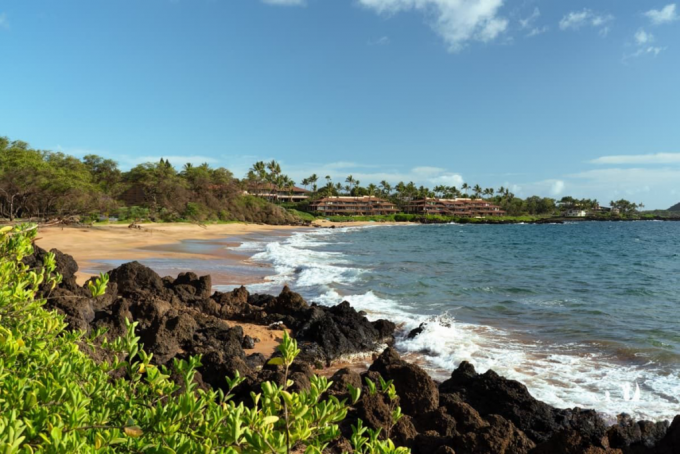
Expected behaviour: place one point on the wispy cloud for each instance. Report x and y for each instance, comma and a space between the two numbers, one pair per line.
643, 40
528, 21
537, 31
285, 2
642, 37
4, 22
457, 22
382, 41
663, 16
656, 158
579, 19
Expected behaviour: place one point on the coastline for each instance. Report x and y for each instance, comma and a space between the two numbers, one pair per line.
295, 259
88, 245
471, 411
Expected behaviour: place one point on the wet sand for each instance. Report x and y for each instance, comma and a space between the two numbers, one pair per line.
99, 248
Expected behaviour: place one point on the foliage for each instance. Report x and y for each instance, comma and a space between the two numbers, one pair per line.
55, 398
302, 215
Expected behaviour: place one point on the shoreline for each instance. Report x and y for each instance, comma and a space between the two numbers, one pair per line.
229, 260
90, 246
451, 412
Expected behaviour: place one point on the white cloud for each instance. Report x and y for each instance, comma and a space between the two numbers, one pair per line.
426, 171
457, 22
526, 23
642, 37
578, 19
4, 22
557, 188
657, 158
537, 31
663, 16
450, 179
285, 2
382, 41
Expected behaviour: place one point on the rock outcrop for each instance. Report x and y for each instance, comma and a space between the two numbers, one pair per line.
470, 413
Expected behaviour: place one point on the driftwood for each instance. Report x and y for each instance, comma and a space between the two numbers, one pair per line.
65, 221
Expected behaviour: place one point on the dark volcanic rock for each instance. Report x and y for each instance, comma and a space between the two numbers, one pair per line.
571, 442
670, 443
490, 393
342, 378
135, 279
417, 391
287, 303
416, 331
338, 330
635, 435
189, 287
248, 343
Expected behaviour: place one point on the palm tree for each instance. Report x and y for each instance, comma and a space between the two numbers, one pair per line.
350, 183
312, 180
386, 188
259, 173
477, 190
371, 188
465, 187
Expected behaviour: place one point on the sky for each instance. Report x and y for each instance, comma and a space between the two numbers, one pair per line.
545, 97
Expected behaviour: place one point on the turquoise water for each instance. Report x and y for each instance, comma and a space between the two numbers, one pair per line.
582, 313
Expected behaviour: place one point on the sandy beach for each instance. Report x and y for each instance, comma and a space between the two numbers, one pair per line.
118, 242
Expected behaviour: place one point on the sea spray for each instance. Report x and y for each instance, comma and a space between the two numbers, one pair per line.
371, 268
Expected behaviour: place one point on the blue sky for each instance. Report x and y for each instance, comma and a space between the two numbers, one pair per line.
550, 98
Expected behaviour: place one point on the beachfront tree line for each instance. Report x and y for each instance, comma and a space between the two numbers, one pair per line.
402, 193
43, 184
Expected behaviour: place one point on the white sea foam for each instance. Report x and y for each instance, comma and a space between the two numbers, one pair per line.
561, 375
248, 246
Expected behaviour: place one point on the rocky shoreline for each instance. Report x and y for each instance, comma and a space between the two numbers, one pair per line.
468, 413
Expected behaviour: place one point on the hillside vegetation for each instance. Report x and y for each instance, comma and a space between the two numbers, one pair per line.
44, 184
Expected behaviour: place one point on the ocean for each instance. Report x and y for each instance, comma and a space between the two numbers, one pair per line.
584, 314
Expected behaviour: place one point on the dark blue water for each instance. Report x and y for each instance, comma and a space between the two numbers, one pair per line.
582, 313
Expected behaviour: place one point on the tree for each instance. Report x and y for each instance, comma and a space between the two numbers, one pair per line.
477, 190
312, 179
386, 188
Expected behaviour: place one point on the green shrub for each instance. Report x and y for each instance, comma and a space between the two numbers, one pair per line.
56, 399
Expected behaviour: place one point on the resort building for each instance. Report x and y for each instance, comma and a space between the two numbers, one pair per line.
454, 207
270, 192
576, 213
350, 206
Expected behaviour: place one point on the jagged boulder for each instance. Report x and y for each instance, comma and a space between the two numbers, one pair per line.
417, 391
188, 287
635, 435
670, 443
570, 441
136, 280
338, 330
490, 394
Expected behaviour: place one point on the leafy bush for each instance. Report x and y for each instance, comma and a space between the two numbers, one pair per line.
56, 399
